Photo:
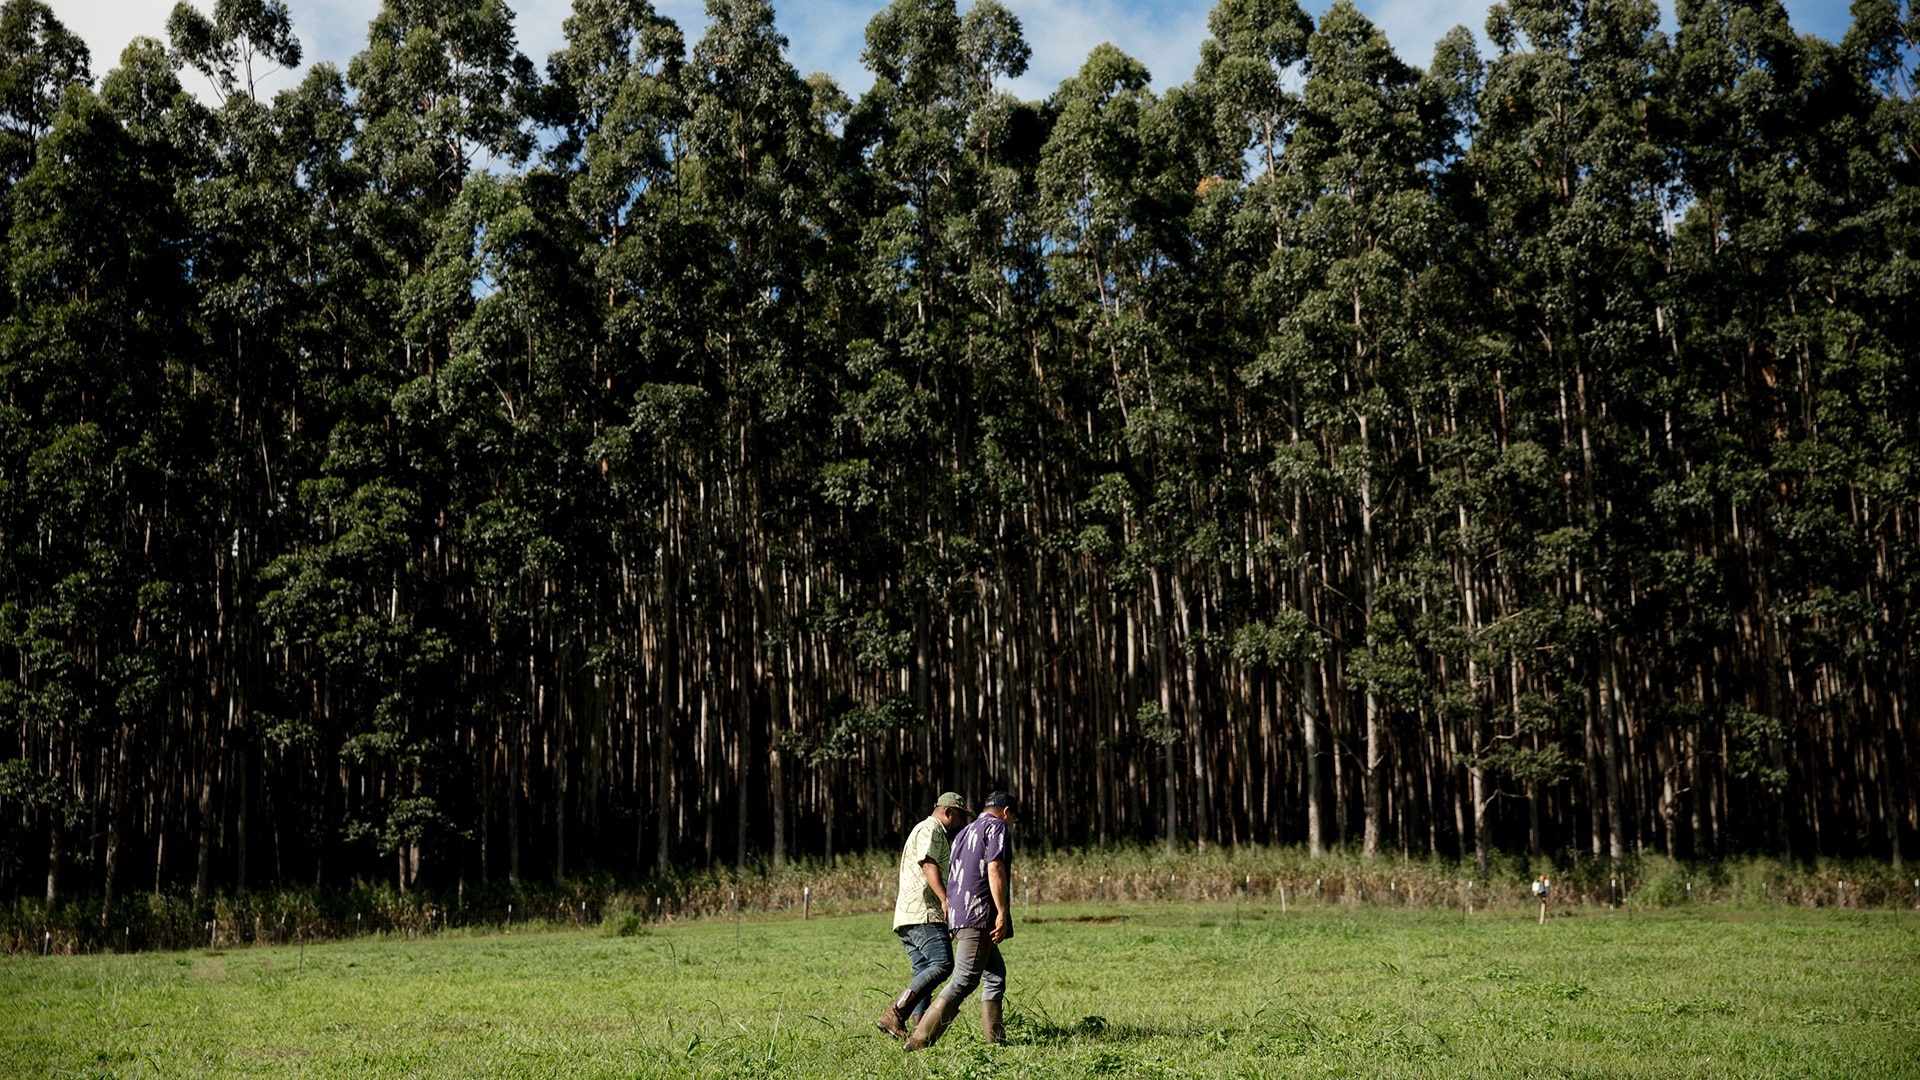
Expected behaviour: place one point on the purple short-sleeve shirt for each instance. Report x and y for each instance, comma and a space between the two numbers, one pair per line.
969, 899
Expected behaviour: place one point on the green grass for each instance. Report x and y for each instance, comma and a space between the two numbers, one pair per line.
1202, 990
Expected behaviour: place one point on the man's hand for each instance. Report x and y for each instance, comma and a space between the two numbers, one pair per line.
999, 886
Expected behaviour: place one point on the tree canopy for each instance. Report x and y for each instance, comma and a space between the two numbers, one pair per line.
462, 467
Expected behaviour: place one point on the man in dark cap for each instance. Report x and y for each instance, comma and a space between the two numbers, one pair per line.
979, 882
920, 911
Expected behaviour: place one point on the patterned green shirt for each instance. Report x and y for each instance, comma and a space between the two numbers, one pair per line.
917, 904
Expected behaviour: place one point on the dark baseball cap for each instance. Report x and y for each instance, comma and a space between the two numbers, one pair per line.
1002, 798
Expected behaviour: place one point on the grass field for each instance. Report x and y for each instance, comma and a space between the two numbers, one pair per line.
1200, 990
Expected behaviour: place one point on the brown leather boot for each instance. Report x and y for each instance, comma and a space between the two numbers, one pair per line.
894, 1020
932, 1023
991, 1025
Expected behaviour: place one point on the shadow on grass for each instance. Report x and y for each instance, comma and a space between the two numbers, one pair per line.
1045, 1031
1286, 1033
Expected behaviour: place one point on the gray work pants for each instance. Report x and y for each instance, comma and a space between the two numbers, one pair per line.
976, 962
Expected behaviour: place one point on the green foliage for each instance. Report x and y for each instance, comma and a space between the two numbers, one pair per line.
39, 60
1289, 636
455, 468
225, 47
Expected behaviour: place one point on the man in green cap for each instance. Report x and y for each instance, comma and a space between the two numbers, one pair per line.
920, 913
980, 913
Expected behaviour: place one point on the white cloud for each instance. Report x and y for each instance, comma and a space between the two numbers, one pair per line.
1413, 26
328, 30
1164, 36
822, 35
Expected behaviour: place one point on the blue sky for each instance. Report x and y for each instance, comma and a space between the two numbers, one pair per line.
826, 35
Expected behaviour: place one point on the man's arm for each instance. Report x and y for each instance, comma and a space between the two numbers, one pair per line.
932, 871
997, 883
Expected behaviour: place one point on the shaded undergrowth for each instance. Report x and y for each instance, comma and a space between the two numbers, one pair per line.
1284, 876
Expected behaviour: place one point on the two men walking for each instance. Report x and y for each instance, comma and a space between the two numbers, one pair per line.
972, 885
920, 911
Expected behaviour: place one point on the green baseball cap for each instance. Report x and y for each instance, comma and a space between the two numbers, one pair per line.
953, 799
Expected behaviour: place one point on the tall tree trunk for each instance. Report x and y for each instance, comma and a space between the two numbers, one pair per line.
489, 758
782, 711
668, 715
241, 800
516, 784
1195, 725
561, 779
1310, 668
118, 783
743, 739
55, 839
1696, 797
776, 768
1169, 755
1476, 722
1310, 732
1370, 777
1477, 791
1596, 783
1610, 747
203, 861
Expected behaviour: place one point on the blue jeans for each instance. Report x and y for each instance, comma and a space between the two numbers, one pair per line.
932, 956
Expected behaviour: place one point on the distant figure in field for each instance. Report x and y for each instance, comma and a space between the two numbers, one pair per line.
920, 913
981, 916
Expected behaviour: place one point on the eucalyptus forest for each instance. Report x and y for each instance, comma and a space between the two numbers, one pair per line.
469, 467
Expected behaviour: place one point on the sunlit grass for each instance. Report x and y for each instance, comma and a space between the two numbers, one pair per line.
1136, 989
